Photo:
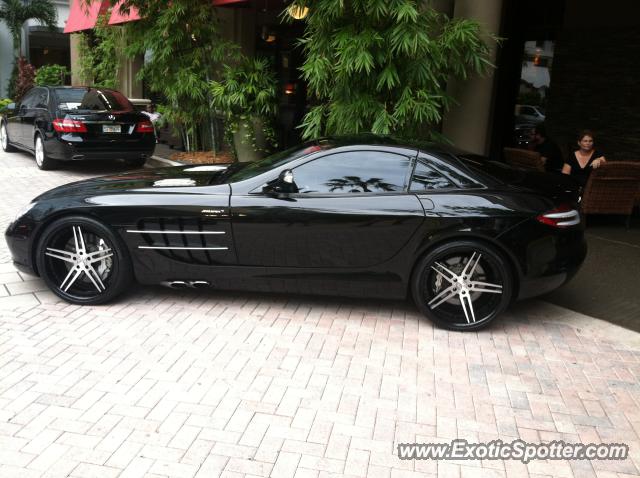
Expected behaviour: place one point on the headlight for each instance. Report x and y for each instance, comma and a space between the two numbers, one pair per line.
23, 210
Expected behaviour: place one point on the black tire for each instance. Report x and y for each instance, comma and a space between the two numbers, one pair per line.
440, 295
136, 163
71, 274
4, 139
43, 161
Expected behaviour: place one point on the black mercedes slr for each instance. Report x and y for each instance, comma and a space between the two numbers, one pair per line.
63, 123
363, 216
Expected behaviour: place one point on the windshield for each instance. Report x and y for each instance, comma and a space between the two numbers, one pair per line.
83, 100
241, 171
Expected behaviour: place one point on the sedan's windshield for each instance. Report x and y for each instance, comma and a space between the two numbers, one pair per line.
90, 100
241, 171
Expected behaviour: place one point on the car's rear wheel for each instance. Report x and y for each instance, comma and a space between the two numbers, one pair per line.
83, 261
462, 285
4, 139
43, 161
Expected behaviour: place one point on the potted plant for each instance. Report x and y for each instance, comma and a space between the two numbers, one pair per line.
246, 96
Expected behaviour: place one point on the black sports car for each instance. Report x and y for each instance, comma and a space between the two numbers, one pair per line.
62, 123
360, 216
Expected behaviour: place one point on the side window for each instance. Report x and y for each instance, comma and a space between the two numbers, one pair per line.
354, 172
426, 178
28, 101
41, 99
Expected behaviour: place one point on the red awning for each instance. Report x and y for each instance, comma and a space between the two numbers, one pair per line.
117, 17
82, 17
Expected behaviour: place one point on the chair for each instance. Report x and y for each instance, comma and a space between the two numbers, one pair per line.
523, 158
613, 188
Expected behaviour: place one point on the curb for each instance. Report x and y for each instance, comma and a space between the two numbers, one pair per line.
163, 162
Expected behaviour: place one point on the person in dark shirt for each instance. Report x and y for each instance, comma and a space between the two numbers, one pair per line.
580, 164
549, 151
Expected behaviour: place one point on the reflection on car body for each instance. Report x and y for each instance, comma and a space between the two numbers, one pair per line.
354, 216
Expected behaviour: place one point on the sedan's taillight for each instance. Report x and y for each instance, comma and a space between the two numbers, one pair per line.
562, 216
144, 127
69, 126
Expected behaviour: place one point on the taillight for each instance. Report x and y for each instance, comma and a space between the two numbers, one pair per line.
69, 126
144, 127
562, 216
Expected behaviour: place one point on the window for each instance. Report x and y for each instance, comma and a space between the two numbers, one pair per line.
41, 99
353, 173
426, 178
89, 99
29, 100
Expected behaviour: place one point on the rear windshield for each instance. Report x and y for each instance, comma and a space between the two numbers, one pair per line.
84, 100
492, 170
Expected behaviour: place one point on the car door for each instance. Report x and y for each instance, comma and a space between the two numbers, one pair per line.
35, 105
351, 210
15, 121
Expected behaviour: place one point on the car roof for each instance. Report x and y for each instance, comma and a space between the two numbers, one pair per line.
371, 139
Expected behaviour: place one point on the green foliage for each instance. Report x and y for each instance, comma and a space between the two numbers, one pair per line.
246, 93
382, 66
4, 103
52, 75
184, 50
100, 53
16, 12
11, 87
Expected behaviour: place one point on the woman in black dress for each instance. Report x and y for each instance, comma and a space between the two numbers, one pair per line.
580, 164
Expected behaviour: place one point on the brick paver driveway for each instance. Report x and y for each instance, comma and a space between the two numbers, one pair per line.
208, 384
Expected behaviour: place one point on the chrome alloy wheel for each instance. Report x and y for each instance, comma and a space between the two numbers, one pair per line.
39, 152
4, 139
80, 262
462, 285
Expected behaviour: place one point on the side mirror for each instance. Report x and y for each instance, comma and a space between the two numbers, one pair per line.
281, 186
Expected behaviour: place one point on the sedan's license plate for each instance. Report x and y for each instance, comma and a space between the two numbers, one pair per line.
111, 128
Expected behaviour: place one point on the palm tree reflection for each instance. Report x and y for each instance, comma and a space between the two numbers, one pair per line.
355, 184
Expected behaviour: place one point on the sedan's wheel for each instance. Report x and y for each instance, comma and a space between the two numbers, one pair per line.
83, 261
42, 160
4, 139
463, 285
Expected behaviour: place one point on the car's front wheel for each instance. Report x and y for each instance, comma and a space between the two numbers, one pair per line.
43, 161
83, 261
4, 139
462, 285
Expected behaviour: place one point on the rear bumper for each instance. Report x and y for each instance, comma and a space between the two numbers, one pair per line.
547, 258
66, 150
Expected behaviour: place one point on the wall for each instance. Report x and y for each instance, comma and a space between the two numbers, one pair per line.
594, 84
468, 124
6, 44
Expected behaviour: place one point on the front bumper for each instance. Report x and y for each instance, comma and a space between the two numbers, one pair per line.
18, 237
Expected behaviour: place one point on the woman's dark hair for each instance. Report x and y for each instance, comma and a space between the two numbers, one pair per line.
586, 132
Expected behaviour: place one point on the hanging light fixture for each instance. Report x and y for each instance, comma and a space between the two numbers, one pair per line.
297, 12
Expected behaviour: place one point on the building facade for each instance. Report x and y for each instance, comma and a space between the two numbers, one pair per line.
40, 45
567, 63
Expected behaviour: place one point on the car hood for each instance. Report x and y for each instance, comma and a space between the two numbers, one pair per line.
174, 179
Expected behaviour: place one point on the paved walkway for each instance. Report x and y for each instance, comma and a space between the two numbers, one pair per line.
168, 384
607, 284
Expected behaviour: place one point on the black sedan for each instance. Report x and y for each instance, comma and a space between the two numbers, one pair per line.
363, 216
72, 123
